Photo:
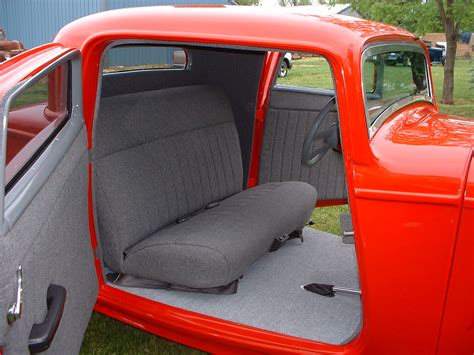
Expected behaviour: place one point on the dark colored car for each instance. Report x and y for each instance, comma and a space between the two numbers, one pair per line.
436, 55
9, 48
395, 58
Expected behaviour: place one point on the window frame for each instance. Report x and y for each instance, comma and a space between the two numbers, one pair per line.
304, 89
15, 201
46, 138
124, 43
379, 48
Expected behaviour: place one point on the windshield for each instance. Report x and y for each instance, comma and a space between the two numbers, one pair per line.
392, 76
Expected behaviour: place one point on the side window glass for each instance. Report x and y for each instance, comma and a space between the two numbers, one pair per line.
392, 76
370, 76
34, 118
305, 70
125, 58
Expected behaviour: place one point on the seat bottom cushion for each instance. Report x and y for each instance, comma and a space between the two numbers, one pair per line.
215, 247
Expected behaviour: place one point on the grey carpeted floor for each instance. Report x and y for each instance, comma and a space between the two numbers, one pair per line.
270, 297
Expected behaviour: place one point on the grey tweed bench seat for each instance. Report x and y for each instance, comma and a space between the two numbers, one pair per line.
168, 190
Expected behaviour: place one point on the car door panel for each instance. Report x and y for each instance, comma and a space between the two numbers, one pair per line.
51, 243
290, 113
46, 232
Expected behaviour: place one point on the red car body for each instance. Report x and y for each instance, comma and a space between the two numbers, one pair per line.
411, 186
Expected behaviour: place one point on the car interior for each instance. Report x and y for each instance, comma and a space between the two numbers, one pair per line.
176, 223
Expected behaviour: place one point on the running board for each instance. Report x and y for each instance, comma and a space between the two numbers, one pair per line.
329, 290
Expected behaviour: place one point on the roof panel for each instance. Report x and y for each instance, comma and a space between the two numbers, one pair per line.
253, 26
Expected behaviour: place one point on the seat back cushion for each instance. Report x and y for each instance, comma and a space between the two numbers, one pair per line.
158, 156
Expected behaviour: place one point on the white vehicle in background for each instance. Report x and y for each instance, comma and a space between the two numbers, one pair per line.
285, 65
443, 46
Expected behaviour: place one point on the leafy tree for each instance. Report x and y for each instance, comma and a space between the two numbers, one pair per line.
453, 15
294, 2
247, 2
421, 16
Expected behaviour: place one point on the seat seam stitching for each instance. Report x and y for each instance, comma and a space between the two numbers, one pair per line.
293, 150
206, 172
194, 152
111, 211
160, 169
272, 154
195, 190
214, 164
226, 141
162, 138
283, 146
218, 142
182, 178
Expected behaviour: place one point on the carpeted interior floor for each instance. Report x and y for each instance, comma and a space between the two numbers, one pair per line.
270, 297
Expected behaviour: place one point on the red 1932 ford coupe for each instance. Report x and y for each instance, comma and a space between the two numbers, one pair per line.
155, 168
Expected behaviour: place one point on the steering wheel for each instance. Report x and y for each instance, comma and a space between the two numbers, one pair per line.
330, 137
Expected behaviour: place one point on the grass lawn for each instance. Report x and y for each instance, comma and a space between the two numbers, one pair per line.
463, 96
34, 94
107, 336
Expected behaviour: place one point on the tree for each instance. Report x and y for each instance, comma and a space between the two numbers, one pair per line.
452, 14
421, 16
294, 2
247, 2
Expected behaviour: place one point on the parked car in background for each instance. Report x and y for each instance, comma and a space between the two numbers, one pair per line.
436, 55
395, 58
9, 48
285, 65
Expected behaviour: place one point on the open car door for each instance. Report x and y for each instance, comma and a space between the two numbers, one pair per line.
48, 283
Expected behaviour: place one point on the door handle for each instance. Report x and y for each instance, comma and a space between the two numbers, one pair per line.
15, 309
42, 334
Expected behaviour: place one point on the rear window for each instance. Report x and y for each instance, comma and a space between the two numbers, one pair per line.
125, 58
391, 77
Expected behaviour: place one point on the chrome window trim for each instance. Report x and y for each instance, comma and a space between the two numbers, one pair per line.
374, 49
13, 204
394, 108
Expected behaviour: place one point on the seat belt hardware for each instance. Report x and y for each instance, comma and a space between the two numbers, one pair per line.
297, 234
278, 242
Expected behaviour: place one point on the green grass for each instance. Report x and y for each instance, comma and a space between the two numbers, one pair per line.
313, 72
107, 336
34, 94
463, 96
326, 219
